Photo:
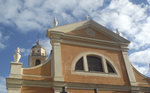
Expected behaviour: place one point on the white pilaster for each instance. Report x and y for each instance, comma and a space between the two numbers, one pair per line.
129, 69
57, 62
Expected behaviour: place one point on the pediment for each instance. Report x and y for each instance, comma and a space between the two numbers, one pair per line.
90, 32
90, 29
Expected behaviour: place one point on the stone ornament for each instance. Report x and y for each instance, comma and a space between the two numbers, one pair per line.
117, 32
55, 22
17, 55
90, 32
87, 17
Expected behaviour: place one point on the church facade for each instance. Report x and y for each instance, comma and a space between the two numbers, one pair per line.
85, 56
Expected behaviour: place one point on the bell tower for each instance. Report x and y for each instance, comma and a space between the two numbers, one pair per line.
37, 55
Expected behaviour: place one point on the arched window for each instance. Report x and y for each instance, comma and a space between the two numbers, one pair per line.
79, 64
109, 67
94, 63
37, 62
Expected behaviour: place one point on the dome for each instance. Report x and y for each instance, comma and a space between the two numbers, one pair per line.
37, 45
37, 50
37, 55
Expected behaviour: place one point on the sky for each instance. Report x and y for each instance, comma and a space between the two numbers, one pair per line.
23, 22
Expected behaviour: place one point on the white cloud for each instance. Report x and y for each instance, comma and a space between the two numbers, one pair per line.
1, 44
36, 15
2, 85
142, 69
142, 57
24, 52
2, 40
46, 44
132, 20
148, 1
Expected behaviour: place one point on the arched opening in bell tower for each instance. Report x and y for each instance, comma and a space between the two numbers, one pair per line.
37, 62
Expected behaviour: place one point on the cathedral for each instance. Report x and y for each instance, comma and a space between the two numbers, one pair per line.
86, 57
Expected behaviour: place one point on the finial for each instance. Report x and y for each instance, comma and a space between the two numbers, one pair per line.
117, 32
17, 55
87, 17
38, 42
55, 22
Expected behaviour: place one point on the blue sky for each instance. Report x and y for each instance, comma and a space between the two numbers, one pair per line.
23, 22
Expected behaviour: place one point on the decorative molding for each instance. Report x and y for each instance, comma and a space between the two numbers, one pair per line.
65, 35
89, 45
145, 83
87, 86
13, 85
90, 32
145, 89
60, 35
82, 41
135, 89
36, 76
17, 83
42, 63
102, 74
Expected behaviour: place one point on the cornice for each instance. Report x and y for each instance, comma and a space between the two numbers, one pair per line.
61, 35
17, 83
85, 41
36, 76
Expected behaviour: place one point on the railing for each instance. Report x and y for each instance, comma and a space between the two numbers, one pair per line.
64, 90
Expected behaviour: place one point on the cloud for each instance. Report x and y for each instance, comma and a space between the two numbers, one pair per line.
141, 61
46, 44
142, 57
24, 51
2, 40
37, 15
131, 23
2, 85
142, 69
132, 20
148, 1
